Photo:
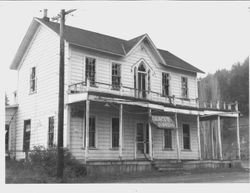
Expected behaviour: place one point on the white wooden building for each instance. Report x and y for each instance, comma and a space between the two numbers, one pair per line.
124, 99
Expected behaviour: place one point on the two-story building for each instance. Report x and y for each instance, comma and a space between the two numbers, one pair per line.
126, 101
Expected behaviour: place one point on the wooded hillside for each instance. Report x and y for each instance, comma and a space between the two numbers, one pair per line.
227, 86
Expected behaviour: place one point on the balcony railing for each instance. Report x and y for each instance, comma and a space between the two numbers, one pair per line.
121, 90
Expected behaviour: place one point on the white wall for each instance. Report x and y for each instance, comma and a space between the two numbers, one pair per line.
43, 53
103, 70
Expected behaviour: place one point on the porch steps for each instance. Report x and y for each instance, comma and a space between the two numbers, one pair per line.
168, 165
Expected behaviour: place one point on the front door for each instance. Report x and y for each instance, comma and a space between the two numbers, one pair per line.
142, 138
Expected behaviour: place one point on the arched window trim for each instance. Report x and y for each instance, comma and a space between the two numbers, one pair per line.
142, 67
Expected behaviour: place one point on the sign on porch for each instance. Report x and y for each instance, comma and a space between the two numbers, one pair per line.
163, 122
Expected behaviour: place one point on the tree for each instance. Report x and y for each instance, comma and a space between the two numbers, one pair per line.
6, 100
227, 86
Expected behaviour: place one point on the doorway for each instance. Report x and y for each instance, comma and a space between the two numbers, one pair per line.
142, 140
142, 74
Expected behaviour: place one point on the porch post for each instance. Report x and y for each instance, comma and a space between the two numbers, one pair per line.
68, 125
219, 139
86, 129
177, 138
198, 137
150, 135
120, 130
212, 139
204, 141
238, 156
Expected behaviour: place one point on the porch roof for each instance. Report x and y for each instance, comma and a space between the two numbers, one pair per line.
164, 107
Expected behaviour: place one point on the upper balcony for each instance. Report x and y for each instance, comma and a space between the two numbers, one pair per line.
76, 90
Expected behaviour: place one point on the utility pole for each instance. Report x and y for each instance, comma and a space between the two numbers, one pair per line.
60, 156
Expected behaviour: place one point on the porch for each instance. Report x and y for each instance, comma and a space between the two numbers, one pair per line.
117, 131
136, 136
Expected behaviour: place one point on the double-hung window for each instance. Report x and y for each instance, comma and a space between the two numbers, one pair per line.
184, 87
186, 136
167, 138
165, 84
33, 80
115, 132
116, 76
92, 131
51, 132
90, 70
26, 135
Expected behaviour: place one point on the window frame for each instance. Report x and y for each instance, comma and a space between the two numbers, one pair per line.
117, 133
165, 84
87, 72
26, 147
95, 132
116, 87
188, 137
171, 139
49, 132
182, 87
33, 80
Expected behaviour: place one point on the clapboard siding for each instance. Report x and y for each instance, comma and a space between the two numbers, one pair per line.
10, 119
43, 53
103, 149
158, 141
103, 70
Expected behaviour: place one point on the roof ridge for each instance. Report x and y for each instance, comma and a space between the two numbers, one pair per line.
78, 28
114, 45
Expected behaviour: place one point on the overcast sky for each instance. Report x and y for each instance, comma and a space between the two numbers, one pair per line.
208, 35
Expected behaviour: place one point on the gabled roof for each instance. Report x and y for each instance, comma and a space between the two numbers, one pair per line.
128, 45
176, 62
100, 42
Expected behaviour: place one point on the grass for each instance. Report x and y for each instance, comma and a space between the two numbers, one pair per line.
21, 172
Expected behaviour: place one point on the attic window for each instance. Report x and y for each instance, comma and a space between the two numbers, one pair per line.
33, 80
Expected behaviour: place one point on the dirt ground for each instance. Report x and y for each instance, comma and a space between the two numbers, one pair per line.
220, 175
203, 176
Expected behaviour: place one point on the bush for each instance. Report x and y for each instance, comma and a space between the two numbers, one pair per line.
46, 160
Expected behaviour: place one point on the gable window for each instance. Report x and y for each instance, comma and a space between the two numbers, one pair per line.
51, 132
167, 138
116, 76
184, 87
92, 131
186, 136
165, 84
33, 80
115, 132
90, 70
26, 135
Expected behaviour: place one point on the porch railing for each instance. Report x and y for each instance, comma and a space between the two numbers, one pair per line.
122, 90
